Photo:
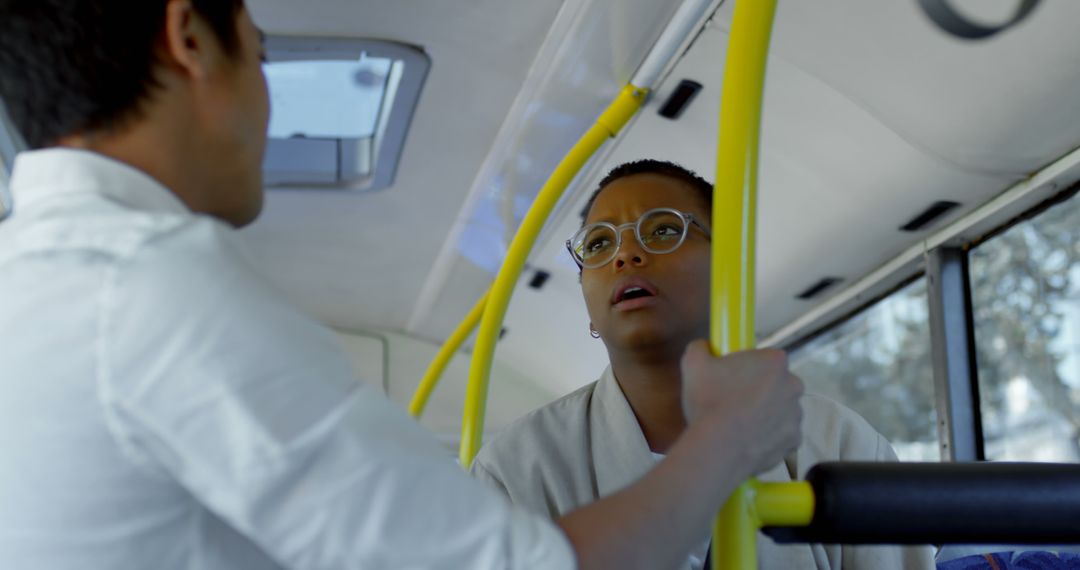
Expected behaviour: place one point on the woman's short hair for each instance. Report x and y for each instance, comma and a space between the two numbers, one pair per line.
651, 166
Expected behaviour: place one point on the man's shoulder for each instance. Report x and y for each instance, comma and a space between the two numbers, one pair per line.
194, 253
112, 232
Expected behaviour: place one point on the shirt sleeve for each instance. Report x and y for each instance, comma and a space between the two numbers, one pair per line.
207, 378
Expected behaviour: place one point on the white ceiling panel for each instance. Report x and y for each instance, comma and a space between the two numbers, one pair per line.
871, 115
840, 170
591, 55
1003, 105
359, 260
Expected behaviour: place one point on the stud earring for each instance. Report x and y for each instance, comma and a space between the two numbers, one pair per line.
593, 332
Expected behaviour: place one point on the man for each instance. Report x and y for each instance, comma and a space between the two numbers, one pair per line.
162, 408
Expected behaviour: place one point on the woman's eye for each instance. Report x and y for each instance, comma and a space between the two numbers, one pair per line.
596, 245
666, 232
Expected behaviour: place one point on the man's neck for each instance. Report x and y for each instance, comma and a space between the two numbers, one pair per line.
157, 145
652, 384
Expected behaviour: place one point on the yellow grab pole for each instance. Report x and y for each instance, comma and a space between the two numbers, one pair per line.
784, 504
734, 224
442, 359
608, 125
735, 198
758, 504
735, 532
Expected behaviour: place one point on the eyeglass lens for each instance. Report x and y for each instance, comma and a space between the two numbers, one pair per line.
658, 232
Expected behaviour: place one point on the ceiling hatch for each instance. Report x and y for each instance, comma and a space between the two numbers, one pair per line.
340, 111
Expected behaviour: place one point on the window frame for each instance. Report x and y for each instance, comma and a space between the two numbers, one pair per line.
952, 345
949, 296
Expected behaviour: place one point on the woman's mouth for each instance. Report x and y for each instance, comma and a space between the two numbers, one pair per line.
633, 293
637, 303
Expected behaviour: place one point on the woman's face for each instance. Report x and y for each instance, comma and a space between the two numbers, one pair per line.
676, 309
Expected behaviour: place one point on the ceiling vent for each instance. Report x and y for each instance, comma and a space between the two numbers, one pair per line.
340, 111
818, 288
680, 99
539, 278
929, 216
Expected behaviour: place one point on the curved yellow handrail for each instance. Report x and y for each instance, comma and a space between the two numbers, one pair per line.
608, 125
445, 354
684, 19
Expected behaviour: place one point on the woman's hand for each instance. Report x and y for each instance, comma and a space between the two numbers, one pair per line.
750, 398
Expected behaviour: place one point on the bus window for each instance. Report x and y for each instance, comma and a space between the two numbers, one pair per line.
1026, 304
878, 363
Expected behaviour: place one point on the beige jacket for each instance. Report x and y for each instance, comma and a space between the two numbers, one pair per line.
588, 445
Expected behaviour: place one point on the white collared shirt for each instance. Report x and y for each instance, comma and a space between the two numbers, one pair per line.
161, 408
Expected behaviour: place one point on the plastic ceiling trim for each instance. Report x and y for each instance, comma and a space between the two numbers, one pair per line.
992, 215
540, 72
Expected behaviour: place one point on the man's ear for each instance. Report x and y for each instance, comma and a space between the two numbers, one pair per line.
190, 46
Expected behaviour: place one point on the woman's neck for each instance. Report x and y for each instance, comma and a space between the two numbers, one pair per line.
652, 385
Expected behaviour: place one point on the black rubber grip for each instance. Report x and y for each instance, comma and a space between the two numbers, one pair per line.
934, 503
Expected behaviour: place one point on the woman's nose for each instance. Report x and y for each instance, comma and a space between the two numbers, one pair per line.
630, 252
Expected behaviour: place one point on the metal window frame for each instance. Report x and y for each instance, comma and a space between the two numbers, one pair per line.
952, 340
943, 257
999, 212
399, 102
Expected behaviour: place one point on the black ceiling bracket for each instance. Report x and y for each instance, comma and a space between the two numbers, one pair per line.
947, 18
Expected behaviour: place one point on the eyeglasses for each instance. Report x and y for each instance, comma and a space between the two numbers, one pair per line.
661, 230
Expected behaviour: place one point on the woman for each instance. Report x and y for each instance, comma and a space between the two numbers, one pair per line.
644, 253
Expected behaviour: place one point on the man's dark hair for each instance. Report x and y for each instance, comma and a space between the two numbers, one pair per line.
650, 166
82, 66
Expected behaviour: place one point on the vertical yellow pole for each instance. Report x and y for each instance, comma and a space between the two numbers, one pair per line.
734, 225
734, 541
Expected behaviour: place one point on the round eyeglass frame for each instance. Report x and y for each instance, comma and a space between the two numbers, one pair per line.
687, 219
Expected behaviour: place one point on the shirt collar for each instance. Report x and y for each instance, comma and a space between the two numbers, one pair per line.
47, 173
621, 454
